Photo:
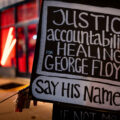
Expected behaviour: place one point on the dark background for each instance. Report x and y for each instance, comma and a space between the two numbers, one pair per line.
104, 3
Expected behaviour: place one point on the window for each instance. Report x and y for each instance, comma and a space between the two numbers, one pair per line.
27, 11
7, 17
8, 41
21, 48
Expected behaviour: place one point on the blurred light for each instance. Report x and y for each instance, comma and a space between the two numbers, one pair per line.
34, 37
8, 46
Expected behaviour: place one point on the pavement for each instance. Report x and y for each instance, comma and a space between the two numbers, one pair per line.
43, 111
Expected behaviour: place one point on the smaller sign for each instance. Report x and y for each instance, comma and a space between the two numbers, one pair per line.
63, 112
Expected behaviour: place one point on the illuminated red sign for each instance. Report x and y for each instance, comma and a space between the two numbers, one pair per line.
10, 43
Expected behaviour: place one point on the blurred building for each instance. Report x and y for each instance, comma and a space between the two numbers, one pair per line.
18, 33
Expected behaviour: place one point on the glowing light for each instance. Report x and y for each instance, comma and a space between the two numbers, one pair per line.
34, 37
8, 46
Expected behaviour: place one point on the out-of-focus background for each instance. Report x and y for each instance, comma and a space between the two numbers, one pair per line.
18, 33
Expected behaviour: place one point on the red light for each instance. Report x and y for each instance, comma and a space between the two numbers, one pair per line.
10, 43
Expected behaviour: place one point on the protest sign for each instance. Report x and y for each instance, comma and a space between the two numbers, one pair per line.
77, 59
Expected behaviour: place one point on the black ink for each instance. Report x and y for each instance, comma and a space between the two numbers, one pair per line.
65, 89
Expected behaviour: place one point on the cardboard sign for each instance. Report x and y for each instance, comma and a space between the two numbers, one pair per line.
62, 112
77, 59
